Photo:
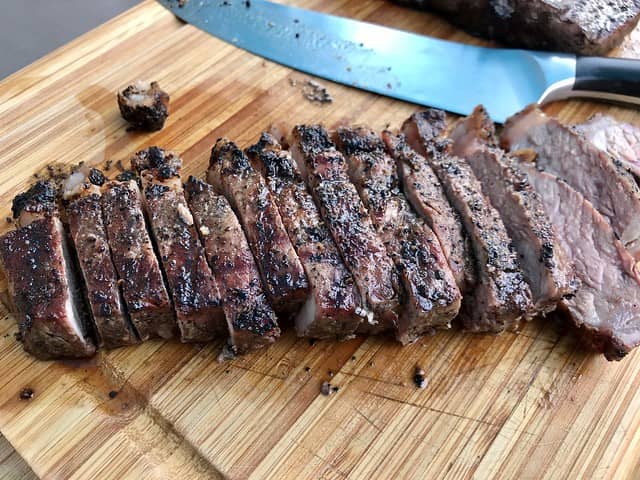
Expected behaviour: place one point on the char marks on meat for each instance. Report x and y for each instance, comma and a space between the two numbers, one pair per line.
143, 288
193, 289
543, 260
501, 297
430, 297
251, 320
334, 307
233, 176
325, 172
602, 180
43, 289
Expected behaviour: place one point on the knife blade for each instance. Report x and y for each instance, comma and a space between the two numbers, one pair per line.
415, 68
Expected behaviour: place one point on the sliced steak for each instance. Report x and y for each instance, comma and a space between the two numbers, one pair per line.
599, 178
334, 307
43, 289
426, 195
233, 176
143, 288
430, 297
87, 231
546, 267
325, 172
251, 320
618, 139
588, 27
606, 308
193, 289
501, 297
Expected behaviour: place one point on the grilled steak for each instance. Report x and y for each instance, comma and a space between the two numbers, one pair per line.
431, 298
426, 195
620, 140
143, 288
501, 297
43, 289
86, 228
193, 289
251, 320
144, 105
599, 178
325, 172
543, 260
606, 308
334, 307
233, 176
590, 27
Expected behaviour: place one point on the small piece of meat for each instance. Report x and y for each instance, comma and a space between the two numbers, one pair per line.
233, 176
190, 282
599, 178
501, 297
430, 297
426, 195
620, 140
364, 254
251, 320
86, 228
606, 308
587, 27
144, 105
334, 308
43, 290
132, 252
544, 262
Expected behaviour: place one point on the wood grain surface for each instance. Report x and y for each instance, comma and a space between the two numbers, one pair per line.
527, 406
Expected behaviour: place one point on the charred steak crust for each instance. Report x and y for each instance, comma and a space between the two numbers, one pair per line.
38, 200
143, 288
349, 223
251, 320
144, 105
330, 311
233, 176
190, 282
430, 296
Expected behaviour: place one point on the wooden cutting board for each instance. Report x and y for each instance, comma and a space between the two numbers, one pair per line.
526, 405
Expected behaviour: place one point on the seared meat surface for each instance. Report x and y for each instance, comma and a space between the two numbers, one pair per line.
501, 297
251, 320
233, 176
588, 27
144, 105
43, 289
334, 307
601, 179
196, 300
143, 288
430, 297
325, 172
547, 269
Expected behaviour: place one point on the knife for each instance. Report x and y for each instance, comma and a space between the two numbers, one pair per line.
410, 67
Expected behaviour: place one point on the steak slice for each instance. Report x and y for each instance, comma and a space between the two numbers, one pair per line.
364, 254
431, 298
334, 308
233, 176
606, 308
191, 284
251, 320
546, 267
43, 290
588, 27
620, 140
426, 195
599, 178
143, 288
501, 297
87, 231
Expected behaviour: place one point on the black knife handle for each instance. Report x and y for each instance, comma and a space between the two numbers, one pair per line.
608, 78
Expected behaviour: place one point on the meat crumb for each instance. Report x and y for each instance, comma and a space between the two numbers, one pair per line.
312, 341
307, 369
113, 394
120, 166
418, 378
314, 92
325, 389
107, 165
26, 393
